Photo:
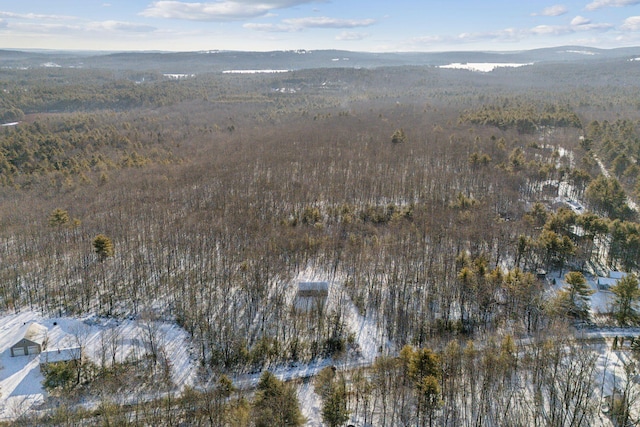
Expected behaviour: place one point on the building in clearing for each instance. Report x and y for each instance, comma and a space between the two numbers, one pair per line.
604, 283
33, 341
312, 295
60, 355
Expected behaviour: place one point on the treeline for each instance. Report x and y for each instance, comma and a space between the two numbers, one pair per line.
526, 118
84, 90
78, 149
64, 90
617, 144
547, 380
273, 403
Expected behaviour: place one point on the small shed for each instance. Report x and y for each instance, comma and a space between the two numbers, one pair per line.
311, 295
33, 341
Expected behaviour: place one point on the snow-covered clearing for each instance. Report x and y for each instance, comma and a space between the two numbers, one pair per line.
310, 404
615, 372
254, 71
368, 336
482, 67
176, 76
601, 300
580, 52
21, 379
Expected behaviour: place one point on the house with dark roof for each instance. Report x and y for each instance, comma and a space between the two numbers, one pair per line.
605, 283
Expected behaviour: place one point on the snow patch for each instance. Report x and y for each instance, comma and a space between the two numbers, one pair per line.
178, 76
310, 404
483, 67
580, 52
254, 71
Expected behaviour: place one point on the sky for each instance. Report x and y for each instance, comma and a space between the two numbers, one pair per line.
356, 25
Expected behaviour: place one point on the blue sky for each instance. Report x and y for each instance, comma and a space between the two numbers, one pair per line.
359, 25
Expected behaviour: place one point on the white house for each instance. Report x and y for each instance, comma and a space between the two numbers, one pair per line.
60, 355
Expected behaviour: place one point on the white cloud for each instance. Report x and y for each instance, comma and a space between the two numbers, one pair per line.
325, 22
129, 27
32, 16
73, 27
580, 20
299, 24
547, 30
580, 28
508, 34
578, 24
632, 23
429, 40
556, 10
44, 28
351, 36
221, 10
599, 4
593, 27
269, 28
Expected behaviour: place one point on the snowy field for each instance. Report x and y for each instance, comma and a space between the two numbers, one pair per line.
601, 300
254, 71
21, 379
482, 67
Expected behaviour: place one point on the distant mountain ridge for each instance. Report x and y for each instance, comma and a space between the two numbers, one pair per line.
218, 61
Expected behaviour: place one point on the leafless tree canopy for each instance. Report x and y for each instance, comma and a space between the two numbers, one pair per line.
216, 193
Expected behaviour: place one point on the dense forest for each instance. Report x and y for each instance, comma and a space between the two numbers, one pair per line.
439, 204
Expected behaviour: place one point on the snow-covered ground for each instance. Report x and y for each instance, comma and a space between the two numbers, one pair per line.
369, 338
21, 379
601, 300
615, 372
254, 71
310, 404
483, 67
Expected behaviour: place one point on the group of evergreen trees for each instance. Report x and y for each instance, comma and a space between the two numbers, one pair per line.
525, 117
